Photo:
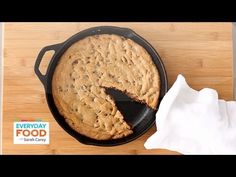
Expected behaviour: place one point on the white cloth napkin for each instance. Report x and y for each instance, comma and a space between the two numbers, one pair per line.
194, 122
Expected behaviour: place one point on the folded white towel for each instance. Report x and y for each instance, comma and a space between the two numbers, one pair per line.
194, 122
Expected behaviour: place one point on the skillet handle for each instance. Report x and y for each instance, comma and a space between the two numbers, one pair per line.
42, 77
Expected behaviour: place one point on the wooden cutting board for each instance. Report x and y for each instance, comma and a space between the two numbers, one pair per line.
202, 52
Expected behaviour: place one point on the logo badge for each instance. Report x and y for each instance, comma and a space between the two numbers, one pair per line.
31, 132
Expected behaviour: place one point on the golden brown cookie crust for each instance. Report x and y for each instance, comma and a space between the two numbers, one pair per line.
96, 62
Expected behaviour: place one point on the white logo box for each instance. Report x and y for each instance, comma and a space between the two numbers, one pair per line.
31, 132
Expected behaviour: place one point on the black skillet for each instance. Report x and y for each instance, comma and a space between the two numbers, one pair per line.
139, 116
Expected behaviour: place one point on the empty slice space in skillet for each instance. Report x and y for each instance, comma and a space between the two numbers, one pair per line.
132, 110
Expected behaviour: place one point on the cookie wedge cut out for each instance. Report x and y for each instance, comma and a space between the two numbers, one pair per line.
92, 64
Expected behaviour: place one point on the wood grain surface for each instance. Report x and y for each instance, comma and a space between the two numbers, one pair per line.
202, 52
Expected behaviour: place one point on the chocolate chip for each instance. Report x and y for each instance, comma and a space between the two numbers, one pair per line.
75, 62
60, 89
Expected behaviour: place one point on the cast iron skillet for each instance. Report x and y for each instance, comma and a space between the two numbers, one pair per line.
139, 116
